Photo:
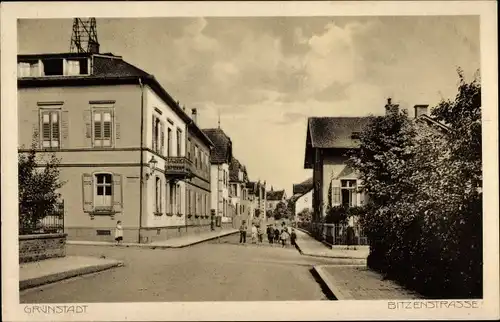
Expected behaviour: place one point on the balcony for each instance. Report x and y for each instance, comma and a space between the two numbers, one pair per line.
179, 168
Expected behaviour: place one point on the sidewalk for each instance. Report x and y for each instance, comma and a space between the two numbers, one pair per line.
355, 282
309, 246
55, 269
179, 242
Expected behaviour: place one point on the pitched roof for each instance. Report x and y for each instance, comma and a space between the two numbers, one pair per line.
275, 195
303, 187
234, 167
222, 151
335, 132
332, 133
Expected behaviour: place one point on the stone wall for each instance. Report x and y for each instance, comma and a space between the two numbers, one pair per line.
37, 247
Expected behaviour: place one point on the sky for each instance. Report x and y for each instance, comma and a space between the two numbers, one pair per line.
265, 76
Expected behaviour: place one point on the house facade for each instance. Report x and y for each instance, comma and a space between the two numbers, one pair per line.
302, 197
238, 191
121, 140
257, 201
334, 182
274, 197
220, 158
327, 141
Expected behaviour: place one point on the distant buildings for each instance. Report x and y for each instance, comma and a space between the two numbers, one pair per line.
128, 151
274, 197
220, 159
302, 196
257, 198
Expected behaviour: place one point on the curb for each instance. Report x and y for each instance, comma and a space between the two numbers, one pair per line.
56, 277
363, 260
149, 245
197, 242
335, 291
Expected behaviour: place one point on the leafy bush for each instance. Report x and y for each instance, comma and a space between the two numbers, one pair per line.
38, 187
424, 217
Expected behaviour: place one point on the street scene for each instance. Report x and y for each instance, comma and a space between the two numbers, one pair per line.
249, 159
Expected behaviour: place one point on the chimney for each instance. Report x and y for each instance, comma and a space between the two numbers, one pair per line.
420, 110
194, 115
389, 107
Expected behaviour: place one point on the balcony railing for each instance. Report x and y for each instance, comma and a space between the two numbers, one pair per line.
179, 167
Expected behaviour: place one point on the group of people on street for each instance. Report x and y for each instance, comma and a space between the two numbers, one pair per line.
275, 235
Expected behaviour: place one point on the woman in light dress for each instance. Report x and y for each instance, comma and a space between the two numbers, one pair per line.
118, 232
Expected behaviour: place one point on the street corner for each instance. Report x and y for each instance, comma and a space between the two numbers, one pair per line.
58, 269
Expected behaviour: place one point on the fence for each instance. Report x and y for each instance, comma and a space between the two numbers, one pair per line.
337, 234
53, 223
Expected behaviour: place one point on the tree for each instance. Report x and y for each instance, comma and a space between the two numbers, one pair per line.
38, 187
269, 213
424, 216
305, 215
280, 211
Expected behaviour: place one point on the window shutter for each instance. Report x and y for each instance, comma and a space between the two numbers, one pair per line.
35, 130
162, 138
360, 194
117, 125
117, 193
64, 129
87, 118
88, 192
336, 193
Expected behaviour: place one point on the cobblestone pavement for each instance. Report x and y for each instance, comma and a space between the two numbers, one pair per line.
220, 270
360, 283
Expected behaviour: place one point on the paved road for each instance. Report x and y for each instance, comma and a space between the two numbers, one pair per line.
211, 271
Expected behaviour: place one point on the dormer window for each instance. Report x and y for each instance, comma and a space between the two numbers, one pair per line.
53, 67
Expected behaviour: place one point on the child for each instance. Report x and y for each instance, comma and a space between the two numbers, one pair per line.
260, 233
243, 233
118, 232
254, 234
293, 237
284, 237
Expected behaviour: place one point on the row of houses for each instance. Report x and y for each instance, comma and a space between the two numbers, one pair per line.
327, 141
128, 151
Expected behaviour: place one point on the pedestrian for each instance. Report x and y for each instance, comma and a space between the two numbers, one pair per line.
284, 237
243, 233
270, 234
118, 232
260, 233
293, 238
254, 234
276, 235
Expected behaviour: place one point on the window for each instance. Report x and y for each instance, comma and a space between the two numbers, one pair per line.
158, 198
156, 134
103, 125
348, 193
196, 156
199, 158
179, 142
189, 149
51, 128
178, 198
169, 142
103, 191
53, 67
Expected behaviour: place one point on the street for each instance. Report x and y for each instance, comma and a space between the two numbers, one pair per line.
212, 271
